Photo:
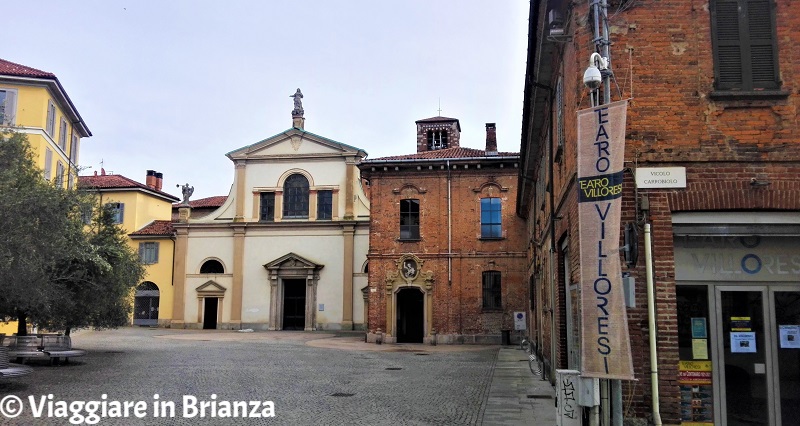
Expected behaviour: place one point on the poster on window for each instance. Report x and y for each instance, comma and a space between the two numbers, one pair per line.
743, 342
605, 347
790, 336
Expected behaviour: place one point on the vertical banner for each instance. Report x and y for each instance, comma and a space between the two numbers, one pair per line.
605, 344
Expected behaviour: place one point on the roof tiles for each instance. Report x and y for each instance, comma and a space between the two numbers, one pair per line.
448, 153
11, 68
117, 182
155, 228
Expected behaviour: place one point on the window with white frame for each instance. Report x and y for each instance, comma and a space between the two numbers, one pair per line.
148, 253
50, 126
8, 106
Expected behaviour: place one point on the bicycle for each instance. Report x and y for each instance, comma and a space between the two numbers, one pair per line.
525, 342
533, 361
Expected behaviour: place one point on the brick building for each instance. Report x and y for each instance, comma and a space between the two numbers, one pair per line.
712, 168
446, 249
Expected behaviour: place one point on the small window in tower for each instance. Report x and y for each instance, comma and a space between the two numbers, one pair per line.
430, 140
444, 139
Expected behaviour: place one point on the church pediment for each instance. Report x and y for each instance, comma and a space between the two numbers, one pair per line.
210, 288
292, 261
294, 142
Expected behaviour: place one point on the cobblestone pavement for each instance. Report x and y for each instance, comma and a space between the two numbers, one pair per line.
312, 378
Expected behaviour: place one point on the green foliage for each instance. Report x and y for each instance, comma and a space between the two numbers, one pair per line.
54, 270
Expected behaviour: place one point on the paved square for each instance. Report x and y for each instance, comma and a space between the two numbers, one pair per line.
300, 372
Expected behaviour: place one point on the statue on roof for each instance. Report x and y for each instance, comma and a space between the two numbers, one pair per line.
187, 192
298, 103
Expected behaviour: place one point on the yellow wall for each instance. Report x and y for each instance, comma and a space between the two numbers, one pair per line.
141, 209
31, 118
160, 273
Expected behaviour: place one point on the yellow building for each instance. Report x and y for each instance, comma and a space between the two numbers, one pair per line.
144, 211
34, 102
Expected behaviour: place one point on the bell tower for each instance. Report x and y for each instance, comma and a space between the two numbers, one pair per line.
437, 133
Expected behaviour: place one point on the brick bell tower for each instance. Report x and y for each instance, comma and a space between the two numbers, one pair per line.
438, 133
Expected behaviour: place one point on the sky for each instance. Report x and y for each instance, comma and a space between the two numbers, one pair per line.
174, 85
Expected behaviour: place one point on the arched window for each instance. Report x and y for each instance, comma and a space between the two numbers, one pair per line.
295, 197
212, 266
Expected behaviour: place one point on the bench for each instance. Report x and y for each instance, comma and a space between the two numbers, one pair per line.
8, 369
24, 347
41, 346
58, 346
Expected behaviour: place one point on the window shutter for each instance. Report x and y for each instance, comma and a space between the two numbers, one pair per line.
48, 163
10, 108
745, 46
762, 47
728, 40
155, 254
142, 252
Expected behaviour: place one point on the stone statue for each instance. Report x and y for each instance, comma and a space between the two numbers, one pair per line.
298, 103
187, 191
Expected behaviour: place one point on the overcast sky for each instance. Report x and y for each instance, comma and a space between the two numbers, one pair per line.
174, 85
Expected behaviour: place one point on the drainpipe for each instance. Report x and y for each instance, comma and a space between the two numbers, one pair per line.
651, 316
449, 231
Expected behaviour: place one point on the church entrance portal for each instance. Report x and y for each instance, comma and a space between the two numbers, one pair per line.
294, 304
210, 313
410, 315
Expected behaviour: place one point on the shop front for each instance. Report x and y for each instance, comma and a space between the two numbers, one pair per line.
738, 305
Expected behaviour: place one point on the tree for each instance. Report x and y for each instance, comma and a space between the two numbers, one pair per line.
54, 270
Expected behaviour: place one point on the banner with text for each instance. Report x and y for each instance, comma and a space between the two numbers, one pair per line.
605, 344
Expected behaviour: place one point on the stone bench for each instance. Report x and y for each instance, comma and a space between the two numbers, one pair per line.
41, 346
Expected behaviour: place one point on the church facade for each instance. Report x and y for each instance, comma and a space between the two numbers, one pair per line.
287, 248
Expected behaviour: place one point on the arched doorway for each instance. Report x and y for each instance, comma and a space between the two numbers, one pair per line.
410, 315
145, 304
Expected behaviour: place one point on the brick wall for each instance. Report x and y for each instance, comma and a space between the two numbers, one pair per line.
457, 302
662, 59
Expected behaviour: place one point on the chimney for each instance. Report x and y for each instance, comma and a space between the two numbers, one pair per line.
151, 179
491, 139
159, 180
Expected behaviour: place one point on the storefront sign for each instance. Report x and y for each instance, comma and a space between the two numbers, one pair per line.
737, 258
605, 347
661, 177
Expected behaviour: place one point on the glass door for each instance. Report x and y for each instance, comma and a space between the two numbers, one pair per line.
786, 343
744, 352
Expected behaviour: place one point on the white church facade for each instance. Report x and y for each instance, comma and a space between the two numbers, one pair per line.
288, 248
